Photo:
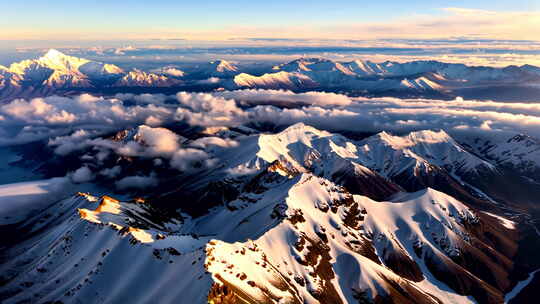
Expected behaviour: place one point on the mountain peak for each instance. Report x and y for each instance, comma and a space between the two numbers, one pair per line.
430, 136
303, 128
53, 53
289, 142
59, 61
414, 138
303, 63
408, 141
224, 66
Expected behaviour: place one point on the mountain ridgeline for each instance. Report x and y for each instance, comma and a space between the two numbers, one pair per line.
298, 215
58, 74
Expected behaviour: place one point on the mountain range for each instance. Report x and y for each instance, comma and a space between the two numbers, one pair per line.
60, 74
389, 78
298, 215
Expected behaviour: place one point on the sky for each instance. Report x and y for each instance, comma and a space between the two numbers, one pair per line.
225, 20
476, 32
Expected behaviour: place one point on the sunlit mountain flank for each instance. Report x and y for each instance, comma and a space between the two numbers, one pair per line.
246, 152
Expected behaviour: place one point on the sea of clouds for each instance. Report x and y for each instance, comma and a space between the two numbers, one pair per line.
23, 121
70, 124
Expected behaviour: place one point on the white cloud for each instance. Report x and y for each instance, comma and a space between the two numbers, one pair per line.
130, 148
211, 80
111, 172
189, 159
206, 143
67, 144
204, 102
26, 121
155, 99
253, 96
82, 175
153, 121
87, 98
205, 109
122, 50
160, 141
43, 118
23, 109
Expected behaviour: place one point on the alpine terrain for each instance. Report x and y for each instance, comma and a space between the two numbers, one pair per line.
299, 215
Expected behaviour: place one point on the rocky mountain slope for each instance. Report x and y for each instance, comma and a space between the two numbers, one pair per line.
296, 216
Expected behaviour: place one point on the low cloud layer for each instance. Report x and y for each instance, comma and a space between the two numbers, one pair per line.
254, 97
70, 123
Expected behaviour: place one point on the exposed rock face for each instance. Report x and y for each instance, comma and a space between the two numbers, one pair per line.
222, 294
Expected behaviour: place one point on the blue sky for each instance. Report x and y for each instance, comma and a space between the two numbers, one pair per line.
210, 19
484, 32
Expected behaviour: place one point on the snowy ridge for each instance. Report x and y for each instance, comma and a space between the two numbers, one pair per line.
137, 78
279, 80
519, 152
214, 69
169, 71
416, 150
320, 223
306, 148
301, 148
55, 72
299, 216
223, 66
76, 259
318, 215
421, 83
358, 75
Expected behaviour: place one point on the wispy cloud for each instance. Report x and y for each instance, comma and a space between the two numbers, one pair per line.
453, 22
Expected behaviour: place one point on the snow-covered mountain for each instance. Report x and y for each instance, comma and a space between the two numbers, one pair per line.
223, 66
357, 76
57, 73
296, 216
217, 68
171, 71
518, 152
137, 78
55, 69
278, 80
417, 150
